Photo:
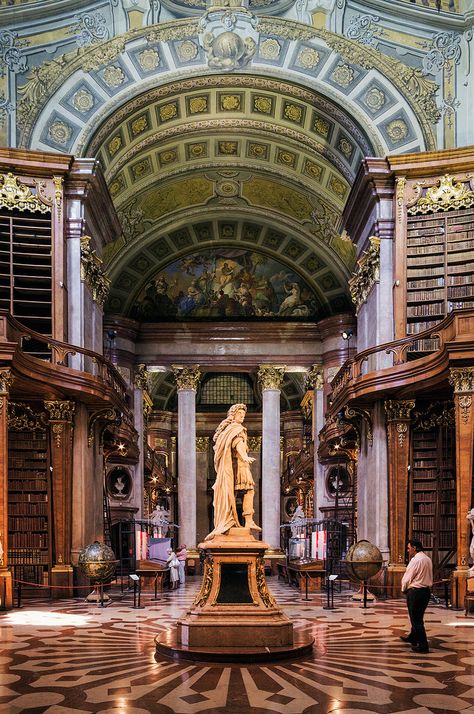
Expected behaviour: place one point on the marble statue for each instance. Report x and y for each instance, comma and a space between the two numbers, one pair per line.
232, 465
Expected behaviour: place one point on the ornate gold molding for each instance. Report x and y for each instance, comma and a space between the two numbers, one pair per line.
401, 182
398, 410
462, 379
465, 404
271, 376
187, 377
443, 197
15, 195
315, 377
6, 380
22, 418
366, 274
254, 443
141, 377
58, 193
202, 444
60, 410
92, 273
402, 429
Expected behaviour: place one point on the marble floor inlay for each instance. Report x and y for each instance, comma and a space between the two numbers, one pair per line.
68, 657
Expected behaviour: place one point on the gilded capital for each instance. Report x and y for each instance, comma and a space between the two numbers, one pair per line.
271, 376
141, 377
186, 377
462, 379
60, 410
315, 377
6, 380
398, 410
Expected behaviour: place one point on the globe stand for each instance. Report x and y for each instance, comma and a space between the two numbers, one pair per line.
364, 595
98, 596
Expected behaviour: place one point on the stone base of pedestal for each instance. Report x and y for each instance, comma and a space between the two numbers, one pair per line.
233, 617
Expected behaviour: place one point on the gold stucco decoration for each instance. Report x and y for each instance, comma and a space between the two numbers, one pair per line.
148, 59
202, 444
92, 273
270, 49
15, 195
60, 410
462, 379
186, 377
315, 377
114, 76
308, 58
83, 101
263, 105
448, 194
366, 274
397, 130
6, 380
271, 376
60, 132
197, 105
343, 75
398, 409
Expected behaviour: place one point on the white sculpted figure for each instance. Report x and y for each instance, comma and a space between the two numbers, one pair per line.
470, 518
232, 464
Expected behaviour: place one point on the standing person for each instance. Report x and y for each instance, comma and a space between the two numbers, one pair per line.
416, 583
182, 554
173, 563
232, 464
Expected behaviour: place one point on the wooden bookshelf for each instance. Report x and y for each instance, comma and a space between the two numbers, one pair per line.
29, 505
433, 490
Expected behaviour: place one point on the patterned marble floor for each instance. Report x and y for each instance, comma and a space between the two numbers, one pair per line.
66, 657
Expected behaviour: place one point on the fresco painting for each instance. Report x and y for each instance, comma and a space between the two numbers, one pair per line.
226, 283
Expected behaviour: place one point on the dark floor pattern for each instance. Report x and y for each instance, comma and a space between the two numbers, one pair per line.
68, 657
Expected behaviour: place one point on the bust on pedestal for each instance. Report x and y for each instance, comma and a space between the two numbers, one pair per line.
233, 617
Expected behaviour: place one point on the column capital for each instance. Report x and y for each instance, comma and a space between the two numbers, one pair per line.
462, 379
6, 379
315, 377
398, 410
60, 410
186, 377
141, 377
270, 376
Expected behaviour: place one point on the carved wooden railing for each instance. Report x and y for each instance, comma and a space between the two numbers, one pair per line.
399, 352
62, 354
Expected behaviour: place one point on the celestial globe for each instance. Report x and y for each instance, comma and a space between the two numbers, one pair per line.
97, 561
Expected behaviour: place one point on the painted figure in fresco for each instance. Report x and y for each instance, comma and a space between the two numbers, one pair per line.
232, 464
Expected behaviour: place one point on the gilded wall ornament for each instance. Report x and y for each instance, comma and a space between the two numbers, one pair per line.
270, 49
267, 599
58, 193
462, 379
204, 592
271, 376
60, 132
60, 410
113, 76
22, 418
141, 377
343, 75
6, 380
82, 100
202, 444
448, 194
92, 273
398, 409
308, 58
315, 377
366, 274
15, 195
186, 377
400, 182
254, 443
402, 429
187, 51
149, 59
465, 403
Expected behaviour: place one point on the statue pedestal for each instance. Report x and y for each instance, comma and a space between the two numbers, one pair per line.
233, 616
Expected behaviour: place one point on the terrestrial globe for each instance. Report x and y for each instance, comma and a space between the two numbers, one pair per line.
97, 561
363, 560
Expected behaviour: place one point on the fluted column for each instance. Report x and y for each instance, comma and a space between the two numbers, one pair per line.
270, 378
61, 415
462, 379
187, 381
397, 416
6, 590
315, 381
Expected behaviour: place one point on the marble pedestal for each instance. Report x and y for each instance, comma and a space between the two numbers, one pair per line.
233, 616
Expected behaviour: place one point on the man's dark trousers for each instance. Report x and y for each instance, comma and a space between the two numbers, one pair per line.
417, 602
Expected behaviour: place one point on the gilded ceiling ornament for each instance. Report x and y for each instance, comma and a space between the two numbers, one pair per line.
271, 376
374, 99
293, 112
113, 76
168, 111
83, 100
308, 58
89, 28
227, 188
397, 130
148, 59
187, 377
315, 377
270, 49
462, 379
312, 170
168, 156
114, 144
187, 51
366, 274
60, 410
443, 197
6, 380
363, 28
141, 377
398, 409
198, 105
321, 127
230, 102
139, 125
263, 105
337, 186
60, 132
92, 273
343, 75
103, 54
15, 195
258, 151
287, 158
346, 147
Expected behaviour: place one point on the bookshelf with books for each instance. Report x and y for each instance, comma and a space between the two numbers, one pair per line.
29, 503
433, 487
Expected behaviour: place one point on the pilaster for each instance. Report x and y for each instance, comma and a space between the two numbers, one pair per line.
315, 380
6, 585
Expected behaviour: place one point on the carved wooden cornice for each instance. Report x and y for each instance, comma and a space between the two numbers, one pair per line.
315, 377
398, 410
445, 196
92, 272
462, 379
271, 376
367, 273
187, 377
15, 195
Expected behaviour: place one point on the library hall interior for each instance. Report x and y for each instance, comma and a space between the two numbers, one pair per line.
236, 356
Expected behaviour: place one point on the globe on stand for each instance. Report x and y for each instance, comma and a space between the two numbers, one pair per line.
363, 561
97, 561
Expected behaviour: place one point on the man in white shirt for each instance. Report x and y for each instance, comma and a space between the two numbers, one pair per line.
416, 583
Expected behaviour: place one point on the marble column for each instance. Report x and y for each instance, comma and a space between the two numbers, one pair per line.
6, 589
141, 407
315, 381
462, 379
187, 380
270, 378
61, 415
